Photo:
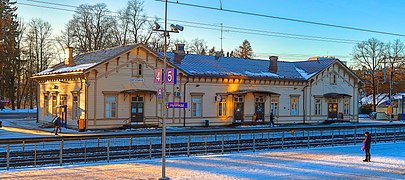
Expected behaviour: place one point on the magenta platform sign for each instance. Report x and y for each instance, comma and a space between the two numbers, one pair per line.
158, 76
177, 105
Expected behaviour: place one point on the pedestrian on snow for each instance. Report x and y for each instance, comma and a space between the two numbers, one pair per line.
57, 122
1, 105
367, 146
271, 119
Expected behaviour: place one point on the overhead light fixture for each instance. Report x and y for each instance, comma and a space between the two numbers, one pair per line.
156, 26
176, 28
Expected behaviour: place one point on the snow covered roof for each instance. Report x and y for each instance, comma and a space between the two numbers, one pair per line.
380, 98
88, 60
204, 65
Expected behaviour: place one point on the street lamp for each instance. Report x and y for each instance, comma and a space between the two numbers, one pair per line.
175, 29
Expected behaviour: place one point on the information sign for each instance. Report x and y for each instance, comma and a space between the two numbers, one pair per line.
171, 76
177, 105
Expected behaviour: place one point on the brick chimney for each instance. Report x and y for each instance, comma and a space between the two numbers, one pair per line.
179, 53
69, 56
273, 64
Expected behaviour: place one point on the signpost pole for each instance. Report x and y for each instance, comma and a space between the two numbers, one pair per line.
165, 101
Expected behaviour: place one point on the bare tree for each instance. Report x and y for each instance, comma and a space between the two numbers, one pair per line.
134, 24
370, 56
39, 52
198, 46
91, 28
394, 58
171, 45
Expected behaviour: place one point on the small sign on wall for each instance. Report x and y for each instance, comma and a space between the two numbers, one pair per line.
177, 105
160, 93
137, 80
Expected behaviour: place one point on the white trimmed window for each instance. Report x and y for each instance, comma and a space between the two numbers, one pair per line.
346, 106
54, 104
137, 70
75, 106
333, 79
274, 105
294, 105
46, 104
196, 106
110, 106
222, 107
318, 105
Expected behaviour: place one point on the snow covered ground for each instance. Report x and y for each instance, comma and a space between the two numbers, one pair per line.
344, 162
7, 110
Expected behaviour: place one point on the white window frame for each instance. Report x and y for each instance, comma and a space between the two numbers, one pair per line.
75, 105
109, 110
137, 69
294, 105
346, 106
54, 103
318, 106
274, 105
46, 103
221, 107
333, 79
196, 107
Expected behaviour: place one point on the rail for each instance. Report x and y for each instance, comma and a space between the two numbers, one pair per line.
39, 151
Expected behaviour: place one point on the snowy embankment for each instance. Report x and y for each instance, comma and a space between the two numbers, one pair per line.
344, 162
18, 111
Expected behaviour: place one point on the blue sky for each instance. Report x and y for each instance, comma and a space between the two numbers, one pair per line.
381, 15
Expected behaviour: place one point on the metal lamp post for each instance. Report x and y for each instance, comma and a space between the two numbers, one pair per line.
175, 29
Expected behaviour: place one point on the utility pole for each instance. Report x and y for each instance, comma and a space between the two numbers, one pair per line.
221, 35
175, 29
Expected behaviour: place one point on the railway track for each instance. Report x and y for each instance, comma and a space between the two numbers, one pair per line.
67, 152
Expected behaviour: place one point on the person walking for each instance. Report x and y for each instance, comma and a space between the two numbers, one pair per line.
271, 119
57, 122
367, 146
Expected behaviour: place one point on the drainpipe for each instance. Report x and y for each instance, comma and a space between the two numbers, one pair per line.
184, 100
80, 90
304, 101
86, 102
38, 103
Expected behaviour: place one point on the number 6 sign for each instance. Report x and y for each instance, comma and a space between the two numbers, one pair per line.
171, 76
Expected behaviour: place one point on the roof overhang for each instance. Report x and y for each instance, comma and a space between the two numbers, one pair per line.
331, 95
132, 91
239, 92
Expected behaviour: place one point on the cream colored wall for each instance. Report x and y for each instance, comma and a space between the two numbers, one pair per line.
209, 109
345, 84
64, 87
114, 78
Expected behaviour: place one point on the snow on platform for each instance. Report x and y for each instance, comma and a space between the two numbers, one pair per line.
344, 162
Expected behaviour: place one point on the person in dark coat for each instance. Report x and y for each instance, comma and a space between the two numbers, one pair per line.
367, 146
271, 119
57, 124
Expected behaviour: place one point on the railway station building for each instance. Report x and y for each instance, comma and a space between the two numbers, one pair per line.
114, 88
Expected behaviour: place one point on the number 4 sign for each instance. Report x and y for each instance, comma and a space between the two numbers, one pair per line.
171, 76
158, 76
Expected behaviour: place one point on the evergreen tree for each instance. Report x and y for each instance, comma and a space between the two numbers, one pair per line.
9, 51
244, 50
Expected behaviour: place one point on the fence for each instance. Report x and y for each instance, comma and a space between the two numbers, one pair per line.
32, 152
